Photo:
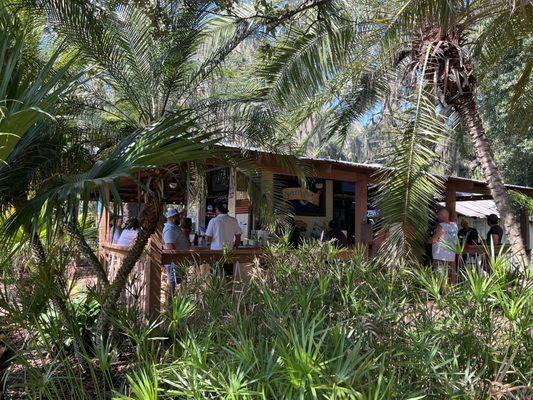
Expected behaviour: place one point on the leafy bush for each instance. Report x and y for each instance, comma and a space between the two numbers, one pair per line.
309, 326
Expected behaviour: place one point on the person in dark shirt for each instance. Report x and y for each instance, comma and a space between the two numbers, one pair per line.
427, 259
495, 233
467, 235
335, 234
295, 234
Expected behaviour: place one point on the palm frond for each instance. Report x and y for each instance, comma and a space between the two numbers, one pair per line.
411, 15
502, 33
216, 41
305, 61
39, 150
26, 98
363, 95
407, 190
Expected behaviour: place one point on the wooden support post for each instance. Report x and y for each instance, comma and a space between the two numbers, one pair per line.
450, 199
103, 224
103, 227
524, 227
232, 191
361, 205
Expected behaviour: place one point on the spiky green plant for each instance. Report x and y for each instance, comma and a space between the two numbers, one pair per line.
308, 327
29, 88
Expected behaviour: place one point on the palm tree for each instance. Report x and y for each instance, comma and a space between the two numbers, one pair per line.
359, 59
440, 50
33, 84
147, 87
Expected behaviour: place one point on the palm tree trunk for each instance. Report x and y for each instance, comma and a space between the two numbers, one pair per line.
467, 109
148, 224
38, 255
85, 250
37, 252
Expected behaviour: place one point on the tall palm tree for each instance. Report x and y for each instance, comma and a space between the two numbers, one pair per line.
439, 49
362, 56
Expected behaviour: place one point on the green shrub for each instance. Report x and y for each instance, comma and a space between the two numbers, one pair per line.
309, 326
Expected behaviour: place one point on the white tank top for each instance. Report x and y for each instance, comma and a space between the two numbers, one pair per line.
442, 249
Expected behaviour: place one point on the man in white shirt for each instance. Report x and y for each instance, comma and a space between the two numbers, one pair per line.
223, 231
173, 239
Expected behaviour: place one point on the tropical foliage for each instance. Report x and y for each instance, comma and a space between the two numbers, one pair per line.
29, 87
311, 327
361, 58
95, 93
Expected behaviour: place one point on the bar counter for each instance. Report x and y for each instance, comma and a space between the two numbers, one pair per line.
203, 254
206, 255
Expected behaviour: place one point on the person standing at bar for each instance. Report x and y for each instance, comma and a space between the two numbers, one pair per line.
173, 239
443, 241
335, 234
468, 236
223, 231
115, 230
495, 233
129, 233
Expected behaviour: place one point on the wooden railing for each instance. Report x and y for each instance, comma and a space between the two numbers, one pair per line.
200, 255
478, 256
147, 288
140, 287
505, 248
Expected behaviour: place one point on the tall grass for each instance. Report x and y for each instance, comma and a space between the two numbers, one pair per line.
305, 327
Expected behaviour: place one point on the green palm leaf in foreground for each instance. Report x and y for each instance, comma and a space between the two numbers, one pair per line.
25, 97
408, 190
175, 139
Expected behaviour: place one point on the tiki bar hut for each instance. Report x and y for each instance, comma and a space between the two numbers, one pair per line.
335, 190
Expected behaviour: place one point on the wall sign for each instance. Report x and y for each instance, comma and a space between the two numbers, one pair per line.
303, 195
306, 201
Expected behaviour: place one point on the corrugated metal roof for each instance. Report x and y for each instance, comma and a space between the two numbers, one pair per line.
373, 167
344, 162
476, 209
